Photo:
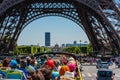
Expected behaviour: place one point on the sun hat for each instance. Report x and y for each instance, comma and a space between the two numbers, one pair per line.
13, 63
50, 63
71, 66
74, 62
28, 57
71, 59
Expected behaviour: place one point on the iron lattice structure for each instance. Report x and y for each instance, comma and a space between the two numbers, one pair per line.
95, 17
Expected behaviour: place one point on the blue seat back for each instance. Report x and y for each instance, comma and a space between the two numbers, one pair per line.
14, 74
3, 71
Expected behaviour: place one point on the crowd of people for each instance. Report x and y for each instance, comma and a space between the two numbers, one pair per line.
41, 68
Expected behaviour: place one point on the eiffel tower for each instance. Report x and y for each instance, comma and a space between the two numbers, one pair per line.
98, 18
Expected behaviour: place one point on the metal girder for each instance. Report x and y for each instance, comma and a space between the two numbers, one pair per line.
111, 8
88, 14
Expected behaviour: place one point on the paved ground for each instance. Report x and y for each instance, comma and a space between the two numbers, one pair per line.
89, 72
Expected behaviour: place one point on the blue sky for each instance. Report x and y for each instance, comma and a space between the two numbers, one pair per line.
62, 31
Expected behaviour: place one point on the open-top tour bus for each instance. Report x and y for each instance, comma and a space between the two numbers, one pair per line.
63, 58
60, 56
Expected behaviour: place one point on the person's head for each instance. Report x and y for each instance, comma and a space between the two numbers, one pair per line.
64, 61
47, 72
63, 69
18, 60
50, 63
64, 57
32, 57
57, 63
32, 62
37, 75
13, 64
5, 63
71, 66
71, 59
28, 59
23, 64
74, 62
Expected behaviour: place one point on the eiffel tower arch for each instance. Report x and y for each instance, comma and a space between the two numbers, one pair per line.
15, 15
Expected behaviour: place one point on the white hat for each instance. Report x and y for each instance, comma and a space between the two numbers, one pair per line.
28, 57
71, 59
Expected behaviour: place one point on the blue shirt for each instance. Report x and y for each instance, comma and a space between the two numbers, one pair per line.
55, 74
25, 71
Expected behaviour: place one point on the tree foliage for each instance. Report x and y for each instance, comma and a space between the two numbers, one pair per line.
79, 49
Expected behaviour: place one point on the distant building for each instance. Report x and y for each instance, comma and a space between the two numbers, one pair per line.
47, 38
63, 45
74, 44
56, 48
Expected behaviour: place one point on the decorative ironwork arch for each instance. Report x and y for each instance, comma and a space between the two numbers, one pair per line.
68, 11
86, 13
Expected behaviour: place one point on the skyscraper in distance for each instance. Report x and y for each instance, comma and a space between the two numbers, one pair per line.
47, 38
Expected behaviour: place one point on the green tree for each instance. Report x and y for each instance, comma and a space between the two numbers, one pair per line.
77, 50
89, 48
28, 49
48, 50
42, 49
72, 49
84, 49
16, 51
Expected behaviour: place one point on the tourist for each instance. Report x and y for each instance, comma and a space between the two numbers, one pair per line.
15, 73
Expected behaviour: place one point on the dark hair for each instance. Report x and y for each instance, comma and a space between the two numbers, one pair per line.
5, 63
32, 62
32, 57
37, 75
23, 63
28, 61
18, 60
47, 72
